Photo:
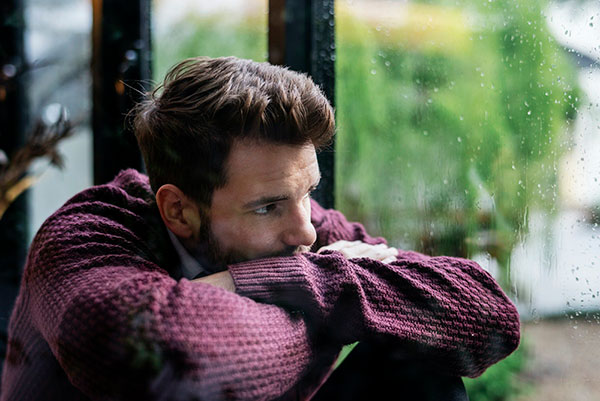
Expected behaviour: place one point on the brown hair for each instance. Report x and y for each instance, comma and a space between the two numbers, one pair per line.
186, 126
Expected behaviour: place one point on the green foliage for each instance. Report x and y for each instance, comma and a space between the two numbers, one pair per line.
501, 381
445, 143
215, 35
344, 353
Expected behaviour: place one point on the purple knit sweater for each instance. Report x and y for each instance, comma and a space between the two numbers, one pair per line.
100, 315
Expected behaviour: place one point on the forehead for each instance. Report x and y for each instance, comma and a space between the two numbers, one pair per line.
254, 165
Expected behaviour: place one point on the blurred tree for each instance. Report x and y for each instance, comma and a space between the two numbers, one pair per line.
451, 121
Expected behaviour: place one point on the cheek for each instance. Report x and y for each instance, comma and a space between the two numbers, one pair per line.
245, 236
224, 232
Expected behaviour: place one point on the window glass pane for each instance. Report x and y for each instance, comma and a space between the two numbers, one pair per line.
186, 28
58, 46
469, 128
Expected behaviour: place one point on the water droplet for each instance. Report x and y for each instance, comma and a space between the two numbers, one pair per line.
9, 70
459, 139
54, 112
131, 55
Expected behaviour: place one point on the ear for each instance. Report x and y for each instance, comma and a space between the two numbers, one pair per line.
179, 213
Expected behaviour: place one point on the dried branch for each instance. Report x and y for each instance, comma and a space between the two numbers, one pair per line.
42, 142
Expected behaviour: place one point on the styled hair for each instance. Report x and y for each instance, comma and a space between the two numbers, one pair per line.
186, 126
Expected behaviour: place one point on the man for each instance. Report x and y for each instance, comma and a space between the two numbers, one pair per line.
218, 277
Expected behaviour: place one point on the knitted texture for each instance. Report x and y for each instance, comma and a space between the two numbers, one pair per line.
100, 315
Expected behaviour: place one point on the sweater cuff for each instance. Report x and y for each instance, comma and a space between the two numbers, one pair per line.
264, 279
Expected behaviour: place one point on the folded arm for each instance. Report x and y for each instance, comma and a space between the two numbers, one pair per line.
446, 310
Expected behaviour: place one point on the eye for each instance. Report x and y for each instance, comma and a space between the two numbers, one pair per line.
265, 209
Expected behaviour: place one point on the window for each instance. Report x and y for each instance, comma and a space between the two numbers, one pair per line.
470, 128
58, 51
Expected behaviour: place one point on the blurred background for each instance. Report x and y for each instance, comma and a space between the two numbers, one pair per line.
465, 127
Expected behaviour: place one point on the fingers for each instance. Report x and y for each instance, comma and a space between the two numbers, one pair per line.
339, 246
359, 249
389, 259
336, 246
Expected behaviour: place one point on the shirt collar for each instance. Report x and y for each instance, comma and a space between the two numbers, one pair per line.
189, 266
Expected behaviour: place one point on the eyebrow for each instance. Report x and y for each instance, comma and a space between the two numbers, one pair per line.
253, 204
264, 201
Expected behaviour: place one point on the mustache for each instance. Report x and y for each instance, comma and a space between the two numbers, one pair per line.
291, 251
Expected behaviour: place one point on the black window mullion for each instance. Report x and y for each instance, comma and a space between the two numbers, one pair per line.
121, 69
13, 117
301, 36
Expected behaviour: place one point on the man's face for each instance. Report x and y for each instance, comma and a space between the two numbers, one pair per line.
264, 209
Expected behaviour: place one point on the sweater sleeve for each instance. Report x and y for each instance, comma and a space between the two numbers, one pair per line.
121, 328
444, 310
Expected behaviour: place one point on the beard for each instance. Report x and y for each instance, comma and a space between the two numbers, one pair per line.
211, 255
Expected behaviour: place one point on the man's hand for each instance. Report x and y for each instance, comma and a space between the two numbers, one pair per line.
222, 279
359, 249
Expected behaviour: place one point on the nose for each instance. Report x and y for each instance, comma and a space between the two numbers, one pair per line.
299, 230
